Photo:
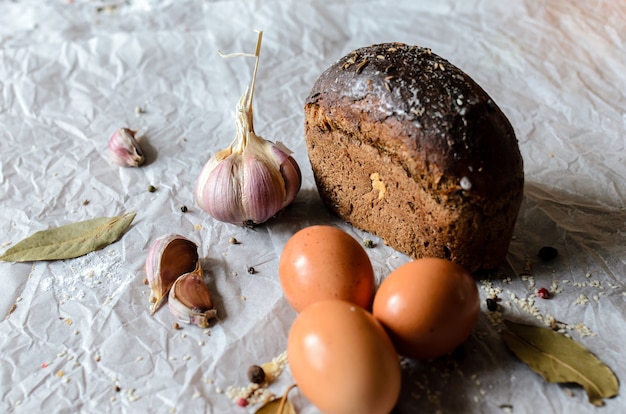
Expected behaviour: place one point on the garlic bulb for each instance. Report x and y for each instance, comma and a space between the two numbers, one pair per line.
125, 149
252, 179
190, 299
169, 257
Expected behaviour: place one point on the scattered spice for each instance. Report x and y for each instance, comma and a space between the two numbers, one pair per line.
256, 374
146, 281
241, 402
360, 66
184, 209
85, 202
280, 405
251, 270
369, 244
175, 325
547, 253
492, 305
233, 240
117, 388
151, 188
11, 310
543, 293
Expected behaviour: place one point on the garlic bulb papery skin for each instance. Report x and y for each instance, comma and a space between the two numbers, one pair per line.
252, 179
190, 300
169, 257
124, 148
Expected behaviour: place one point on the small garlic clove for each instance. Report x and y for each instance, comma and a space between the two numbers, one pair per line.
263, 191
190, 300
125, 149
218, 189
169, 257
292, 177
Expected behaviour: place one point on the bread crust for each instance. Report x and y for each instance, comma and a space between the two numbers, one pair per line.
405, 145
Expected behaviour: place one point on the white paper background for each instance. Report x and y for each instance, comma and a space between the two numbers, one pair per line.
73, 72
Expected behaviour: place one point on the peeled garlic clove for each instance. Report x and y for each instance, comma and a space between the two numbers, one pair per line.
190, 300
125, 149
169, 257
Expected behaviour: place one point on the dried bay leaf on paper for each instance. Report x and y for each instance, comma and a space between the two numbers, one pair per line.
280, 405
560, 359
274, 407
69, 241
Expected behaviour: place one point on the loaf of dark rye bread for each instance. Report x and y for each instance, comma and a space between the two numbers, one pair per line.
406, 146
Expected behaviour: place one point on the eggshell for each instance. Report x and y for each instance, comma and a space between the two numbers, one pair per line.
324, 262
428, 307
342, 360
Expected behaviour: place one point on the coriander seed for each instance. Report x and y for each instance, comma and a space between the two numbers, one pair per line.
256, 374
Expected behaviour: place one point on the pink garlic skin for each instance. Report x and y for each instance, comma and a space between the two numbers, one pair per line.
197, 306
124, 148
152, 261
169, 256
248, 188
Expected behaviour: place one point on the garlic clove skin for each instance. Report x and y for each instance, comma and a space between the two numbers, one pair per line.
263, 189
169, 257
290, 171
190, 300
124, 148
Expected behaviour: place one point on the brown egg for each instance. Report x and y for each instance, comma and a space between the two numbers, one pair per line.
342, 360
324, 262
428, 307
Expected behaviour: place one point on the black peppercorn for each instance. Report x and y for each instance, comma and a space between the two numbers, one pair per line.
184, 209
256, 374
251, 270
492, 305
547, 253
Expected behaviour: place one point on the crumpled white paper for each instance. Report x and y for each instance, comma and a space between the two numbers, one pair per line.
78, 336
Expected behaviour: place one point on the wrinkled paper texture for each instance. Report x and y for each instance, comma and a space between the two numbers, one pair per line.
78, 336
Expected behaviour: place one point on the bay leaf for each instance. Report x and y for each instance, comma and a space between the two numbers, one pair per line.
560, 359
69, 241
274, 407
